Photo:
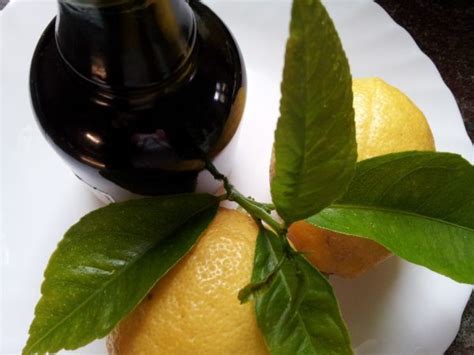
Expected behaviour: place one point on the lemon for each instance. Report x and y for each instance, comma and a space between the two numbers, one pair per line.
194, 309
387, 121
335, 253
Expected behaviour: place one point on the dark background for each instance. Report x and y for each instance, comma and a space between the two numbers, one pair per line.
444, 30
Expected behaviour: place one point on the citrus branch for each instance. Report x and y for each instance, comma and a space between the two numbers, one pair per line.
258, 210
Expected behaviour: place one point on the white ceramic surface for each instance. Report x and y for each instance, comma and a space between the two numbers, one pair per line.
398, 308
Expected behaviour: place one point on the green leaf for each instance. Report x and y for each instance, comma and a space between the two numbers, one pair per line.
252, 288
298, 312
419, 205
108, 262
315, 145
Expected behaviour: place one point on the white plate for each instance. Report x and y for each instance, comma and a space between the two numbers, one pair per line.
396, 308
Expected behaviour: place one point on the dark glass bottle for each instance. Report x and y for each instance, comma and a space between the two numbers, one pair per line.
134, 93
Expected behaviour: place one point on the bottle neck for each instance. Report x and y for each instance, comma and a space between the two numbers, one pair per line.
126, 43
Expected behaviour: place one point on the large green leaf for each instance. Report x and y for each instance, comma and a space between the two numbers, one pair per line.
419, 205
108, 262
297, 311
315, 146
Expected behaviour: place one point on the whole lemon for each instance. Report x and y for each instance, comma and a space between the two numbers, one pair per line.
194, 309
387, 121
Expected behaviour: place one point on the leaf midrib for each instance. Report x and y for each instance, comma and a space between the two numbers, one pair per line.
109, 282
303, 160
397, 211
287, 287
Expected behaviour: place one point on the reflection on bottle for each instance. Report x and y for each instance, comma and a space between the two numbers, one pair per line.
132, 94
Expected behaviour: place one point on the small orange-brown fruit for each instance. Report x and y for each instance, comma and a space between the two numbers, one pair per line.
334, 253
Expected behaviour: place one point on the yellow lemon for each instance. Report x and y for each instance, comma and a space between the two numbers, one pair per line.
194, 309
387, 121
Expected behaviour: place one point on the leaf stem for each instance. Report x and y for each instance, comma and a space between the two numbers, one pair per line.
254, 287
269, 207
258, 210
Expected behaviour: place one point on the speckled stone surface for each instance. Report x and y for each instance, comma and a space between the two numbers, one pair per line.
464, 342
444, 30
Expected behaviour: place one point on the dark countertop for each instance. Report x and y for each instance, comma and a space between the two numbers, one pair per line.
444, 30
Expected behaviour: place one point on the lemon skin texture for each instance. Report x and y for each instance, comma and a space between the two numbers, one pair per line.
194, 309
